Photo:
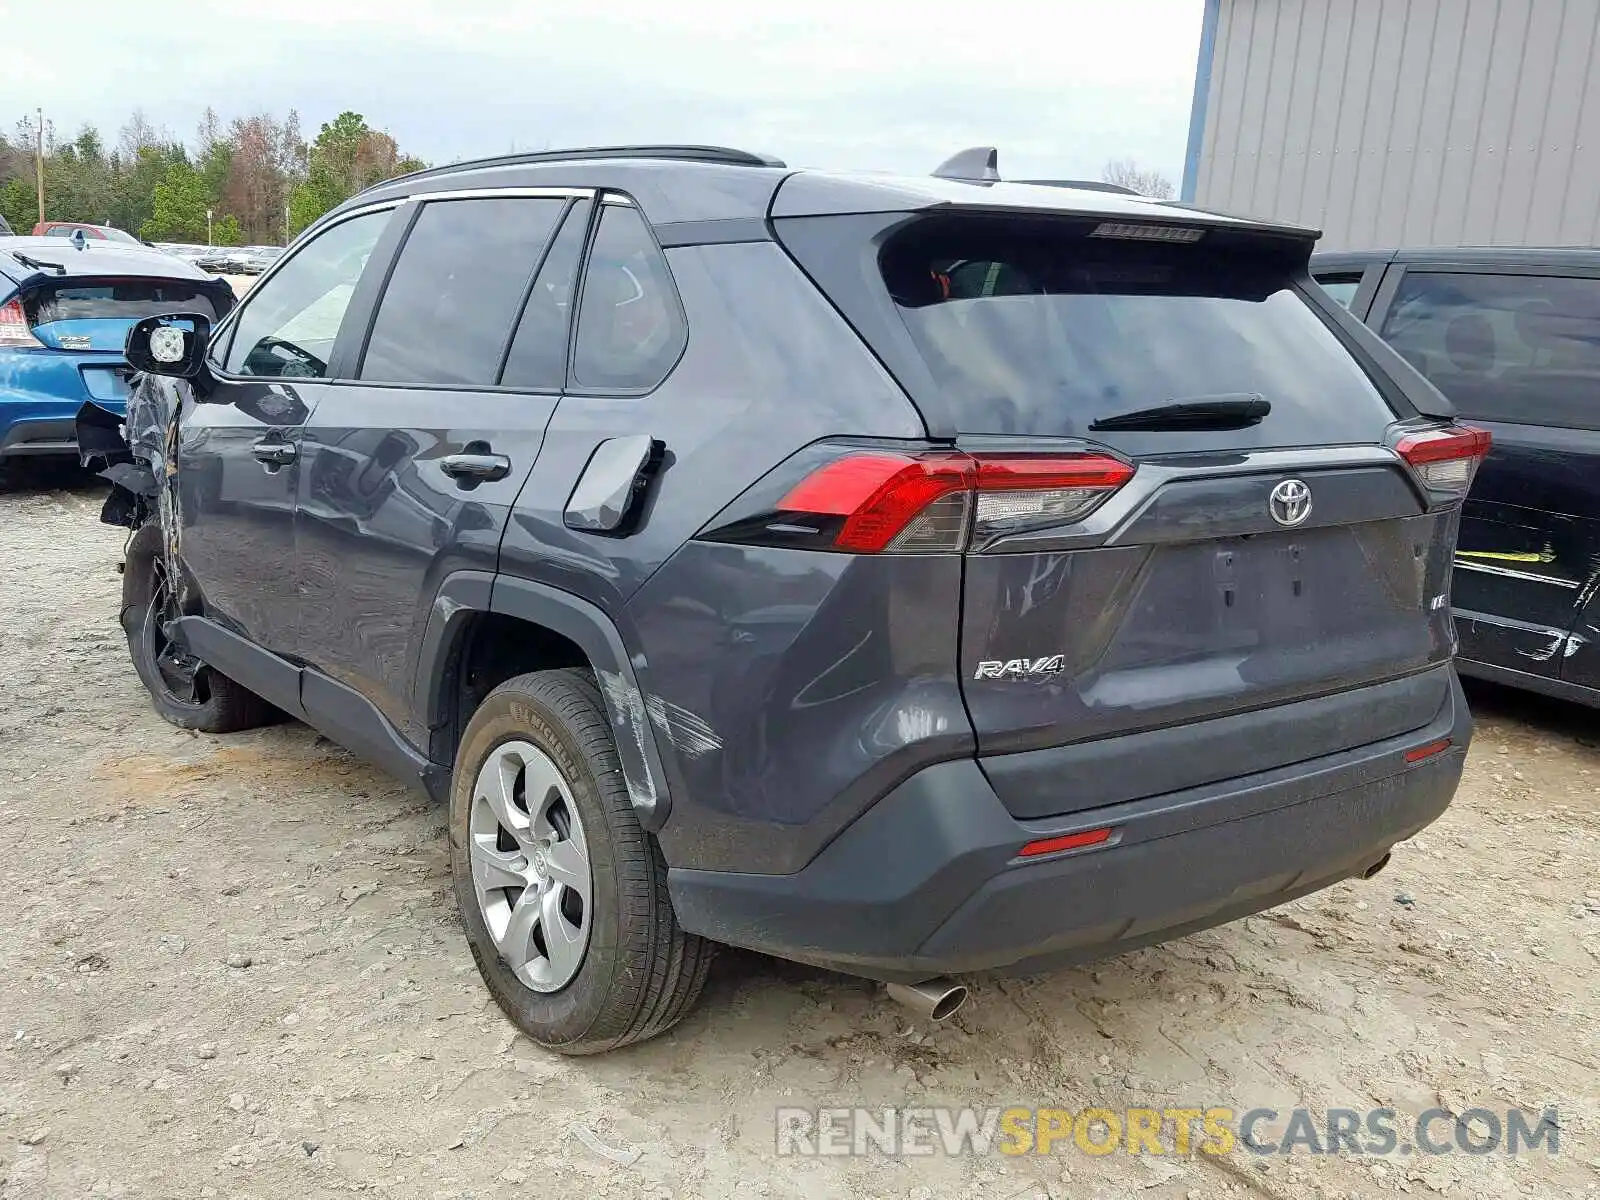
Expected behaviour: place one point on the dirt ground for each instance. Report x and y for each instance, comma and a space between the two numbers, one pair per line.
357, 1052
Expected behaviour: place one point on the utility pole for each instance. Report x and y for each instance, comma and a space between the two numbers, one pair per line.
208, 227
38, 158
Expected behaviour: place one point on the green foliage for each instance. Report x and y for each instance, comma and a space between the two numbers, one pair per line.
18, 204
347, 156
255, 173
178, 207
134, 197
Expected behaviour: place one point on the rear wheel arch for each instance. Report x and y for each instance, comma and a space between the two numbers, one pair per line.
484, 629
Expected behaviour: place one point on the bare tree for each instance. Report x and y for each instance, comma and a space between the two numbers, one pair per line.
1127, 173
139, 134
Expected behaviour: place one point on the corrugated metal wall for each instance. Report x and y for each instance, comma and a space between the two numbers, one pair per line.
1406, 122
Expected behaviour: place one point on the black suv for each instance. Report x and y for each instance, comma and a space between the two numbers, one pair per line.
900, 575
1512, 337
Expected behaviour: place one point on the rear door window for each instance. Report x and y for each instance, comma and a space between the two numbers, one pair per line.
1042, 327
630, 324
538, 358
459, 283
1523, 349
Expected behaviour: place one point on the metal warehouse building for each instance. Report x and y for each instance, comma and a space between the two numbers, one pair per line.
1402, 122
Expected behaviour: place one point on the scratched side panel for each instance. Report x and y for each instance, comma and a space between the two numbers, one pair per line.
1529, 554
1580, 654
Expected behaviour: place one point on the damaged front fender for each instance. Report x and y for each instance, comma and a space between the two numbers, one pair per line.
138, 455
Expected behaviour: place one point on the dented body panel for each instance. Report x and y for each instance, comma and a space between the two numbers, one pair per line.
1527, 564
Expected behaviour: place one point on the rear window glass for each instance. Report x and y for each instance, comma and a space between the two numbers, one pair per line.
455, 293
129, 300
1524, 349
1038, 328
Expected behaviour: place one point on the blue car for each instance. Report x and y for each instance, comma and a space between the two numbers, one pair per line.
66, 306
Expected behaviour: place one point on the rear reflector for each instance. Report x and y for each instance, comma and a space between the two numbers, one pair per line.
939, 502
14, 329
1445, 460
1130, 232
1067, 841
1421, 752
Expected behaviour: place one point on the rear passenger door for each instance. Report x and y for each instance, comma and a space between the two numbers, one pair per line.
629, 331
1518, 351
417, 451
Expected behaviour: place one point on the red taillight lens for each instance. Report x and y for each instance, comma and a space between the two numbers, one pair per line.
881, 495
908, 503
1418, 753
14, 329
1445, 459
1067, 841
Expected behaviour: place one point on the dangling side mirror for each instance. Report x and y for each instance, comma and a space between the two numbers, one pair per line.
173, 344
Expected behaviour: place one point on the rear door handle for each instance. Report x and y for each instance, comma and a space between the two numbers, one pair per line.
274, 453
478, 467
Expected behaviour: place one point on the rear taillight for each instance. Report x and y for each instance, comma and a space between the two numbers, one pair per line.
879, 502
1445, 459
14, 330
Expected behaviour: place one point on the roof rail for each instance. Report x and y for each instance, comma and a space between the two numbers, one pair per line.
702, 154
1092, 185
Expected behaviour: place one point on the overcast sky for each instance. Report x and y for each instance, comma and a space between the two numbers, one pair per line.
1059, 87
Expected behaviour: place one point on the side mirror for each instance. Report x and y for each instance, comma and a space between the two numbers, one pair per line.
172, 345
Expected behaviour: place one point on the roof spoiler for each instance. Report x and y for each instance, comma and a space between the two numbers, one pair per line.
981, 164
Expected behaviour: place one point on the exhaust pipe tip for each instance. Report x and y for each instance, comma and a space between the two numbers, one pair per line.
933, 999
1377, 866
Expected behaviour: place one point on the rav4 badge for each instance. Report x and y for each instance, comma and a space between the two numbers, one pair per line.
1021, 668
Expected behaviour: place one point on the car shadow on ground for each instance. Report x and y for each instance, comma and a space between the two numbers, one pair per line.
1548, 715
22, 475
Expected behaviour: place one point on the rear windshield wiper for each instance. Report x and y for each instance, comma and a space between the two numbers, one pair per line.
38, 264
1229, 410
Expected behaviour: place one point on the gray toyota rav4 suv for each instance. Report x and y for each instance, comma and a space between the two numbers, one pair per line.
908, 576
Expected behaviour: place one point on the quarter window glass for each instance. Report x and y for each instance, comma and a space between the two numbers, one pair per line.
289, 324
447, 312
1524, 349
1341, 288
538, 359
630, 325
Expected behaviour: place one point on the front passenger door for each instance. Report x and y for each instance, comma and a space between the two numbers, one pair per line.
239, 454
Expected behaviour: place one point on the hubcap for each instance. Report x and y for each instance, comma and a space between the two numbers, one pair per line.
530, 865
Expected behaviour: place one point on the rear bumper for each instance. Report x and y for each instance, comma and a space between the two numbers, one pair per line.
927, 881
39, 436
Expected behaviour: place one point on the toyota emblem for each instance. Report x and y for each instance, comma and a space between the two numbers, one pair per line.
1290, 503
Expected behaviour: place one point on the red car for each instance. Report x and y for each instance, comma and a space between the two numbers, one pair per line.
68, 228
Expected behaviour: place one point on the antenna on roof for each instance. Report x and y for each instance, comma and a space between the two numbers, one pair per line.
980, 164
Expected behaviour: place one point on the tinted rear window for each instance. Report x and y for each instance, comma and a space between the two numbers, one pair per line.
1518, 348
456, 290
129, 300
1037, 328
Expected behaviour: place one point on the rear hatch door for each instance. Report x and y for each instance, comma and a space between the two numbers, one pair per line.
1226, 600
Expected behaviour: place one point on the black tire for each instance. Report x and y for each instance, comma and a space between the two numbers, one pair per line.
214, 703
640, 972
